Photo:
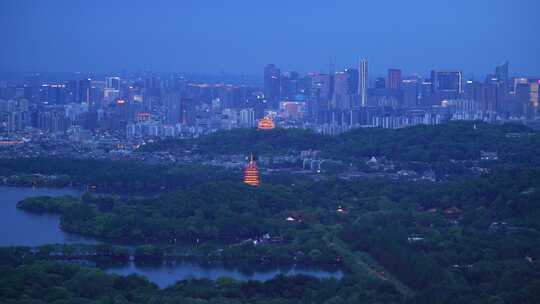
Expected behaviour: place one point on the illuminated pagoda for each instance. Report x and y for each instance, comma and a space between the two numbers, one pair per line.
266, 123
251, 173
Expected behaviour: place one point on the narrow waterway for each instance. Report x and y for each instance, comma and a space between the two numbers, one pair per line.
20, 228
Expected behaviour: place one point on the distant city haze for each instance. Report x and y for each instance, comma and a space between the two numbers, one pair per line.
241, 36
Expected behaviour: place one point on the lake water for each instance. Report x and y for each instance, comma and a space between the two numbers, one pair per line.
19, 228
167, 273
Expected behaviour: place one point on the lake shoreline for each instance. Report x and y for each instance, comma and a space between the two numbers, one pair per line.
57, 241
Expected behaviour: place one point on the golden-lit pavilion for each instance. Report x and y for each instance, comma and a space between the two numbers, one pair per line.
266, 123
251, 173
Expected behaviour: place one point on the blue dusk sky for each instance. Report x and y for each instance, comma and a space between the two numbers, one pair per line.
241, 36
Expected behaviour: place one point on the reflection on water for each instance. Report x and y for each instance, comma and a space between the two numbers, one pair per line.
166, 274
19, 228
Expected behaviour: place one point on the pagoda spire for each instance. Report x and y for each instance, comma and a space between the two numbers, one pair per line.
251, 173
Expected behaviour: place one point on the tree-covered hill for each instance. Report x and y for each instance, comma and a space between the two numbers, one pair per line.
455, 140
245, 141
114, 176
459, 241
469, 239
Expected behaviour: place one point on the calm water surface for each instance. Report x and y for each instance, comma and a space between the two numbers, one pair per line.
19, 228
167, 274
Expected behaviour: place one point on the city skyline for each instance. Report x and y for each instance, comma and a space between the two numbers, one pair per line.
255, 78
239, 152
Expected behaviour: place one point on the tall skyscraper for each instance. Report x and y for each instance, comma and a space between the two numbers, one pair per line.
494, 94
449, 81
111, 90
352, 76
340, 97
331, 75
534, 99
363, 82
518, 81
173, 106
394, 79
446, 85
380, 83
522, 92
320, 95
426, 95
56, 93
247, 117
476, 91
272, 85
501, 72
289, 85
84, 86
410, 88
112, 83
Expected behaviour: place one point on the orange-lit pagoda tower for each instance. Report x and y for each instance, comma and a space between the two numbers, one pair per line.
266, 123
251, 173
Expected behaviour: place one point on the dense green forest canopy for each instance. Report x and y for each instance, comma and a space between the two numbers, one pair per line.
455, 140
441, 148
114, 176
26, 280
478, 237
469, 239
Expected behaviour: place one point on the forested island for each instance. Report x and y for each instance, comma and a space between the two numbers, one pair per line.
469, 238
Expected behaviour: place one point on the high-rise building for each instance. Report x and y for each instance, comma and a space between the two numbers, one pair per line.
292, 109
517, 81
363, 82
534, 99
113, 83
96, 93
394, 79
501, 72
426, 97
84, 87
502, 76
272, 85
331, 80
173, 106
448, 81
475, 91
446, 85
410, 88
320, 95
522, 93
72, 93
152, 87
56, 93
380, 83
289, 85
494, 95
352, 76
247, 117
340, 97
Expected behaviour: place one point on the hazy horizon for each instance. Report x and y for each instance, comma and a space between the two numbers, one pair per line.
200, 37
